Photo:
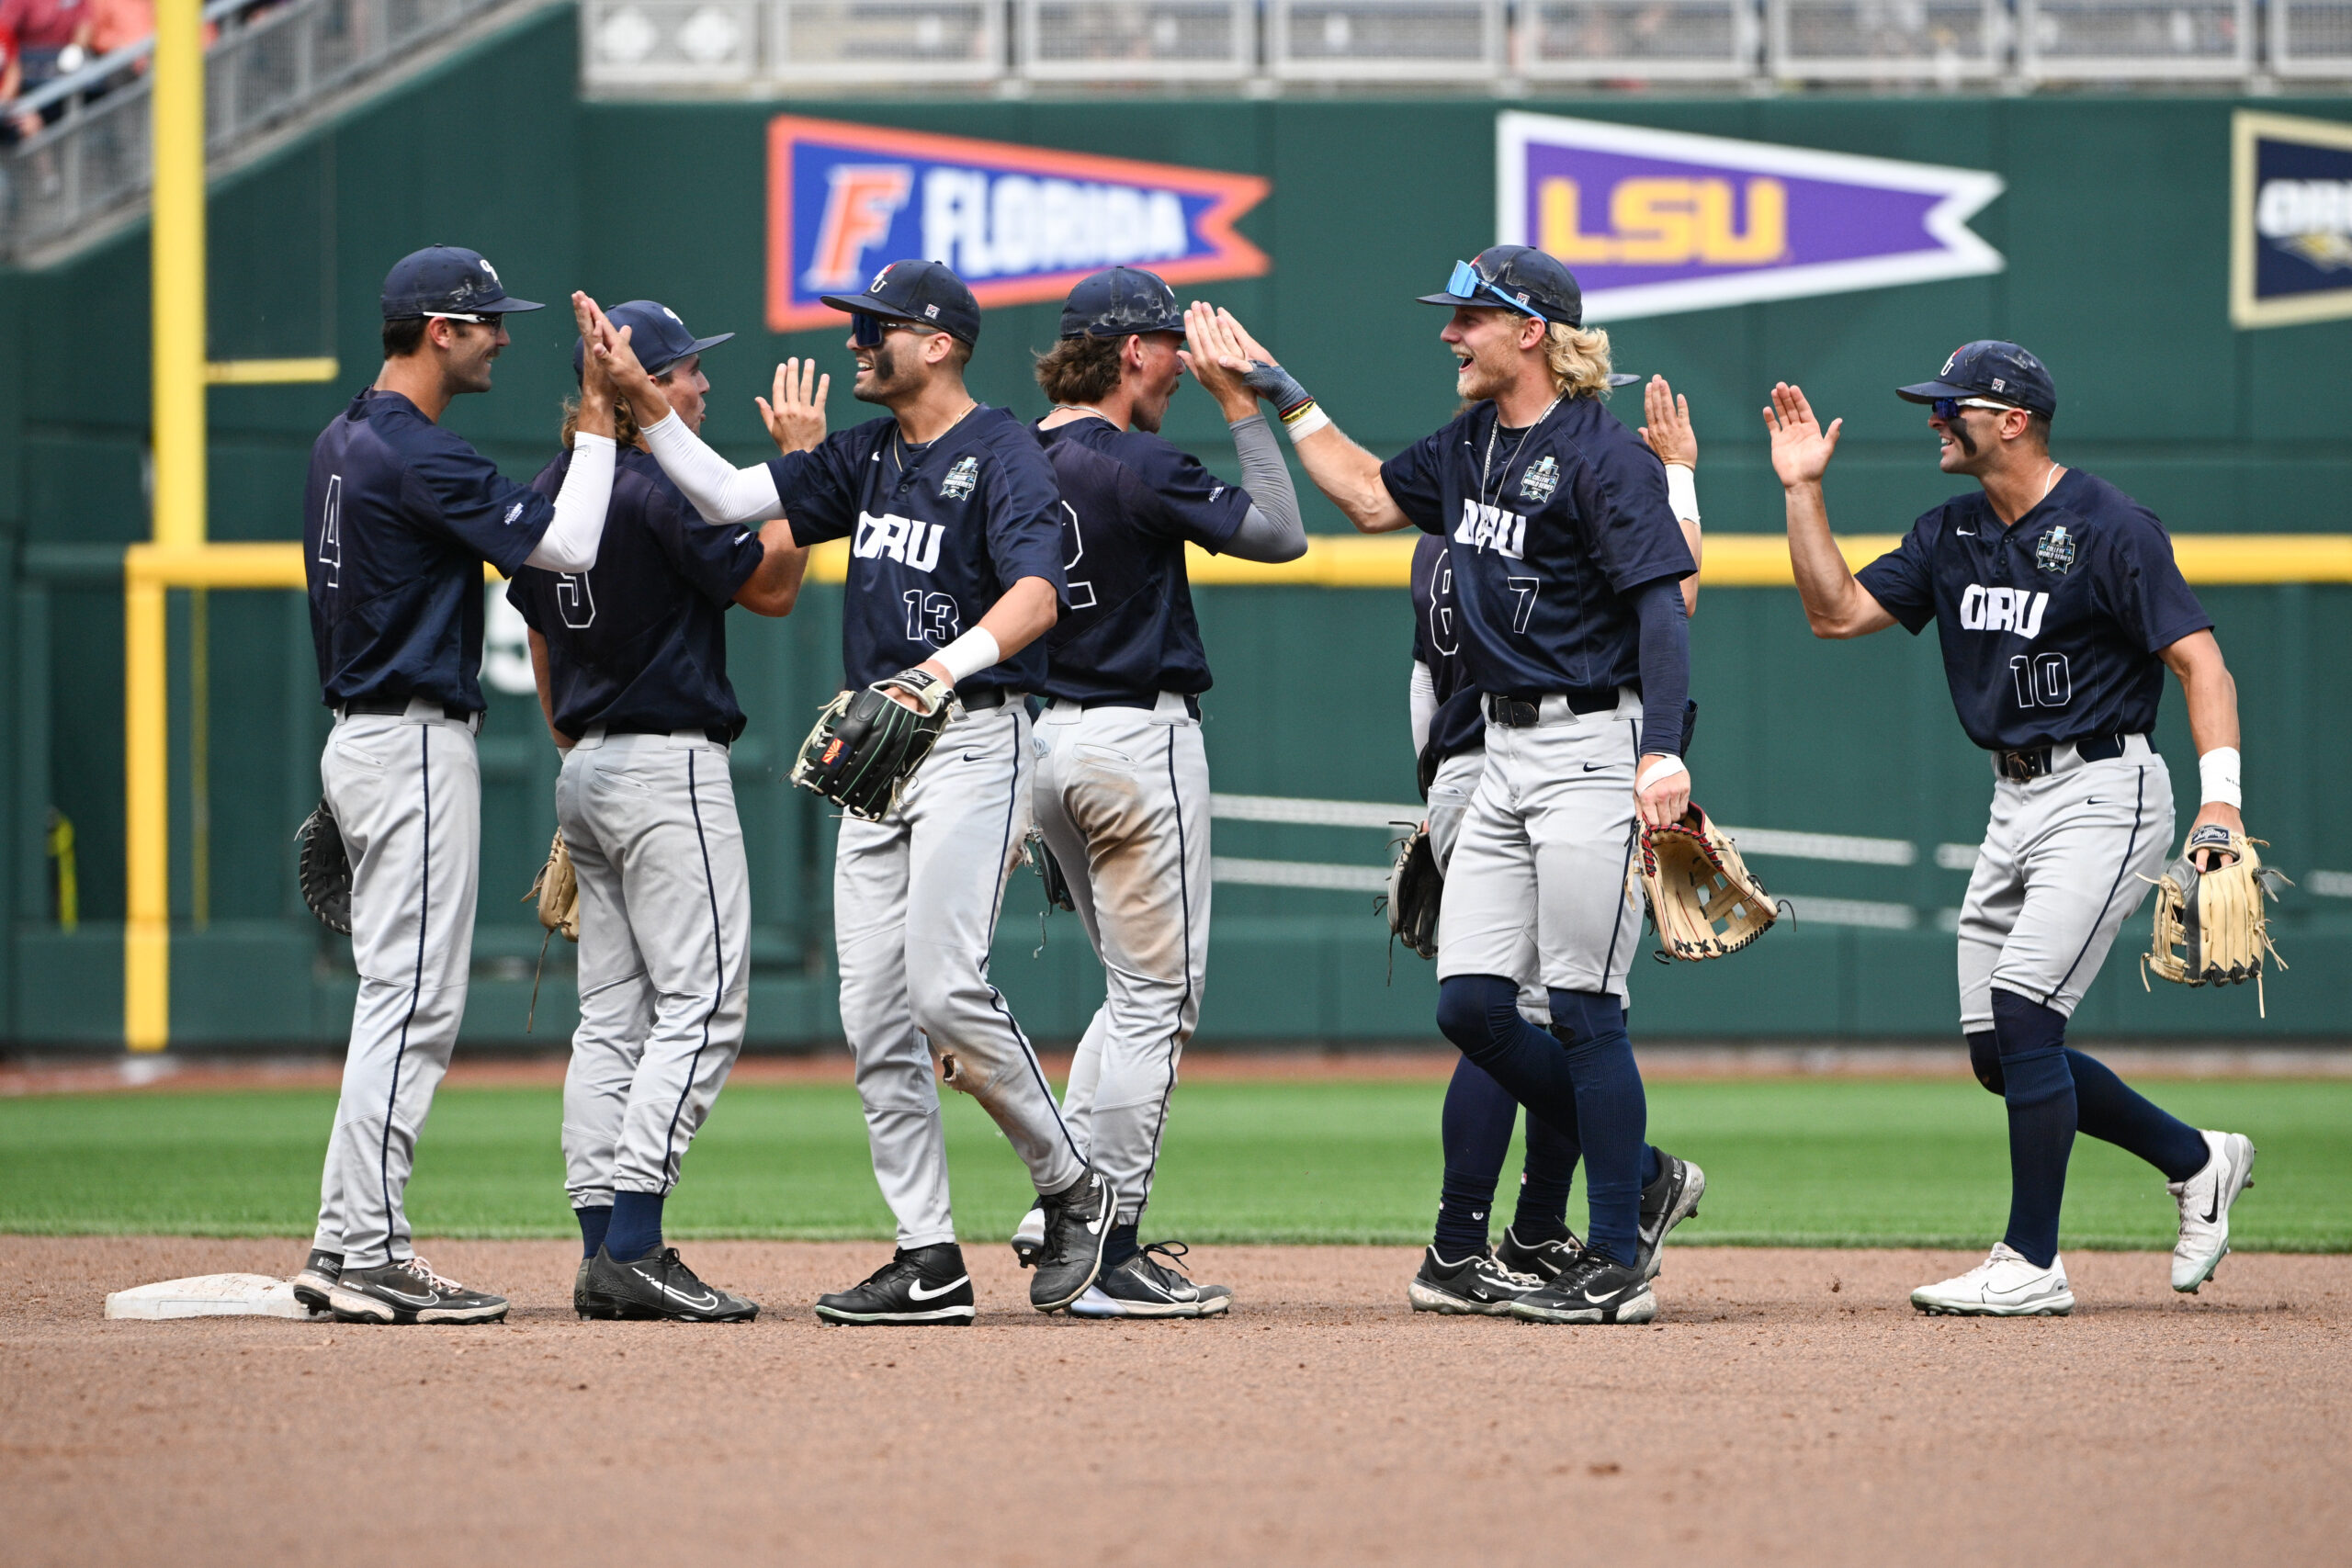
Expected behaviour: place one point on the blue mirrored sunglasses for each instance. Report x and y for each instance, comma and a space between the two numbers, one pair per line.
1465, 284
867, 329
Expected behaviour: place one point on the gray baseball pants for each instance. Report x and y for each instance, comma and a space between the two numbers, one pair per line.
1536, 885
1450, 791
915, 903
406, 791
2059, 870
1122, 801
665, 919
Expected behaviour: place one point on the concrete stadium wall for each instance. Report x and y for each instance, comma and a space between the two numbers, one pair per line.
2114, 225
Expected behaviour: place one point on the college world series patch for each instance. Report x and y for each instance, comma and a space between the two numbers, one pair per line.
1543, 477
966, 473
2057, 551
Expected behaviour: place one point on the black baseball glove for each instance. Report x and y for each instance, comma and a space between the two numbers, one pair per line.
323, 869
1049, 871
1416, 888
866, 745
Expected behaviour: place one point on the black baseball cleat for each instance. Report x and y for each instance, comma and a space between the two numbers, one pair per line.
1544, 1259
1142, 1287
1591, 1290
580, 1289
1477, 1285
661, 1286
409, 1292
1078, 1227
924, 1285
317, 1277
1665, 1203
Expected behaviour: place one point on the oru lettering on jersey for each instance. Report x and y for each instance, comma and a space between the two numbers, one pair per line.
2017, 610
906, 540
1019, 224
1658, 221
1492, 528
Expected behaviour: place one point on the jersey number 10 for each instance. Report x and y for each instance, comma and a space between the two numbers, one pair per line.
2043, 679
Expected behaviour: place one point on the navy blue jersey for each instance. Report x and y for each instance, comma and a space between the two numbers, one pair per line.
396, 519
1131, 502
2050, 628
638, 642
1551, 528
937, 533
1459, 725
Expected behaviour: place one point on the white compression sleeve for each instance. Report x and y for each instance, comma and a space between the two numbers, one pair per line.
722, 492
572, 541
1421, 696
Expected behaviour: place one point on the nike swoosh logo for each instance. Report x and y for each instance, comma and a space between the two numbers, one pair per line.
710, 1300
743, 536
1599, 1299
1594, 767
404, 1297
1966, 533
921, 1294
2213, 1210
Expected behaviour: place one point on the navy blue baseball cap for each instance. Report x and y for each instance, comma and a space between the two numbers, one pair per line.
922, 292
656, 336
1121, 301
1515, 278
447, 280
1990, 368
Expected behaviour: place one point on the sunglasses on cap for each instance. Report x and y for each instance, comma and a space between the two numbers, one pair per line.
867, 330
1948, 408
493, 321
1465, 284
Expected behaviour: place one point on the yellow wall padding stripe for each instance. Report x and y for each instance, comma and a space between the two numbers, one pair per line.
1352, 560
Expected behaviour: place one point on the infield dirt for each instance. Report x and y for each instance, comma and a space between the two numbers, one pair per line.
1789, 1407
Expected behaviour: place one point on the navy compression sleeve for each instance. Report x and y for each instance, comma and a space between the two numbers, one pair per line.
1666, 665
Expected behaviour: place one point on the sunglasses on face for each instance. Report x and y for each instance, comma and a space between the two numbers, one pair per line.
1948, 408
1465, 284
868, 331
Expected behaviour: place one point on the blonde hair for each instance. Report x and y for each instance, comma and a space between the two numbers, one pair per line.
1579, 358
624, 422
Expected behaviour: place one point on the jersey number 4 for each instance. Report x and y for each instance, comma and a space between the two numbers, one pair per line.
2043, 679
331, 532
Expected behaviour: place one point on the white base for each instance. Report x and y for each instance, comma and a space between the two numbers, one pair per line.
211, 1296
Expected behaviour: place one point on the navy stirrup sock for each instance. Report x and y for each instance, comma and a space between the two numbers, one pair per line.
635, 1226
1480, 1014
1121, 1244
2114, 1112
2039, 1088
1542, 1212
593, 1223
1475, 1127
1612, 1118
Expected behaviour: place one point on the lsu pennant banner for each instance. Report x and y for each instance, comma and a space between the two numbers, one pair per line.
1019, 224
1653, 222
2291, 220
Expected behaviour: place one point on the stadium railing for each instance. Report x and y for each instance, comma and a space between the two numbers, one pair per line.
1506, 46
265, 67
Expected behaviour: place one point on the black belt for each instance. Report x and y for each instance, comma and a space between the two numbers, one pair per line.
2025, 766
1520, 713
1192, 704
717, 734
980, 702
394, 707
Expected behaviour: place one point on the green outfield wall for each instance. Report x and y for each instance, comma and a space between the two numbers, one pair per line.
2114, 227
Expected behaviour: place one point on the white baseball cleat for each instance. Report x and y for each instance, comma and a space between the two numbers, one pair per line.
1029, 1237
2205, 1198
2003, 1285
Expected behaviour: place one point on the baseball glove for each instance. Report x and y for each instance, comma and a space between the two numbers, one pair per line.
1049, 871
2210, 928
1704, 902
557, 890
323, 869
1416, 889
866, 746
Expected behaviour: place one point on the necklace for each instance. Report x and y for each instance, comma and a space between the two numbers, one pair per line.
900, 447
2056, 472
1487, 464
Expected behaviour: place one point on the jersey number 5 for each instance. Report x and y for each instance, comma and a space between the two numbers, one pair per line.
931, 617
2043, 679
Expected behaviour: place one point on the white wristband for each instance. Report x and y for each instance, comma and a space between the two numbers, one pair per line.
1307, 424
968, 655
2217, 770
1682, 491
1664, 768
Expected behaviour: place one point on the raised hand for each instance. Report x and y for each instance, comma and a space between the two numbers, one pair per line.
1213, 355
1801, 448
796, 419
1668, 431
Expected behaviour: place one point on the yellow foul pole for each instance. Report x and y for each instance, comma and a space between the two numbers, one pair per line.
178, 298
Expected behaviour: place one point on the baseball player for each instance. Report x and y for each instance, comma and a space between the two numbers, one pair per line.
1122, 781
397, 517
631, 661
1566, 560
1459, 1271
2059, 607
955, 572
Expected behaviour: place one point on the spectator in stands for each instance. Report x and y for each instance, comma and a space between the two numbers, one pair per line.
52, 39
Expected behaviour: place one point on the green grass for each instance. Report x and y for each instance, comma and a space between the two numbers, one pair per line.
1837, 1163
